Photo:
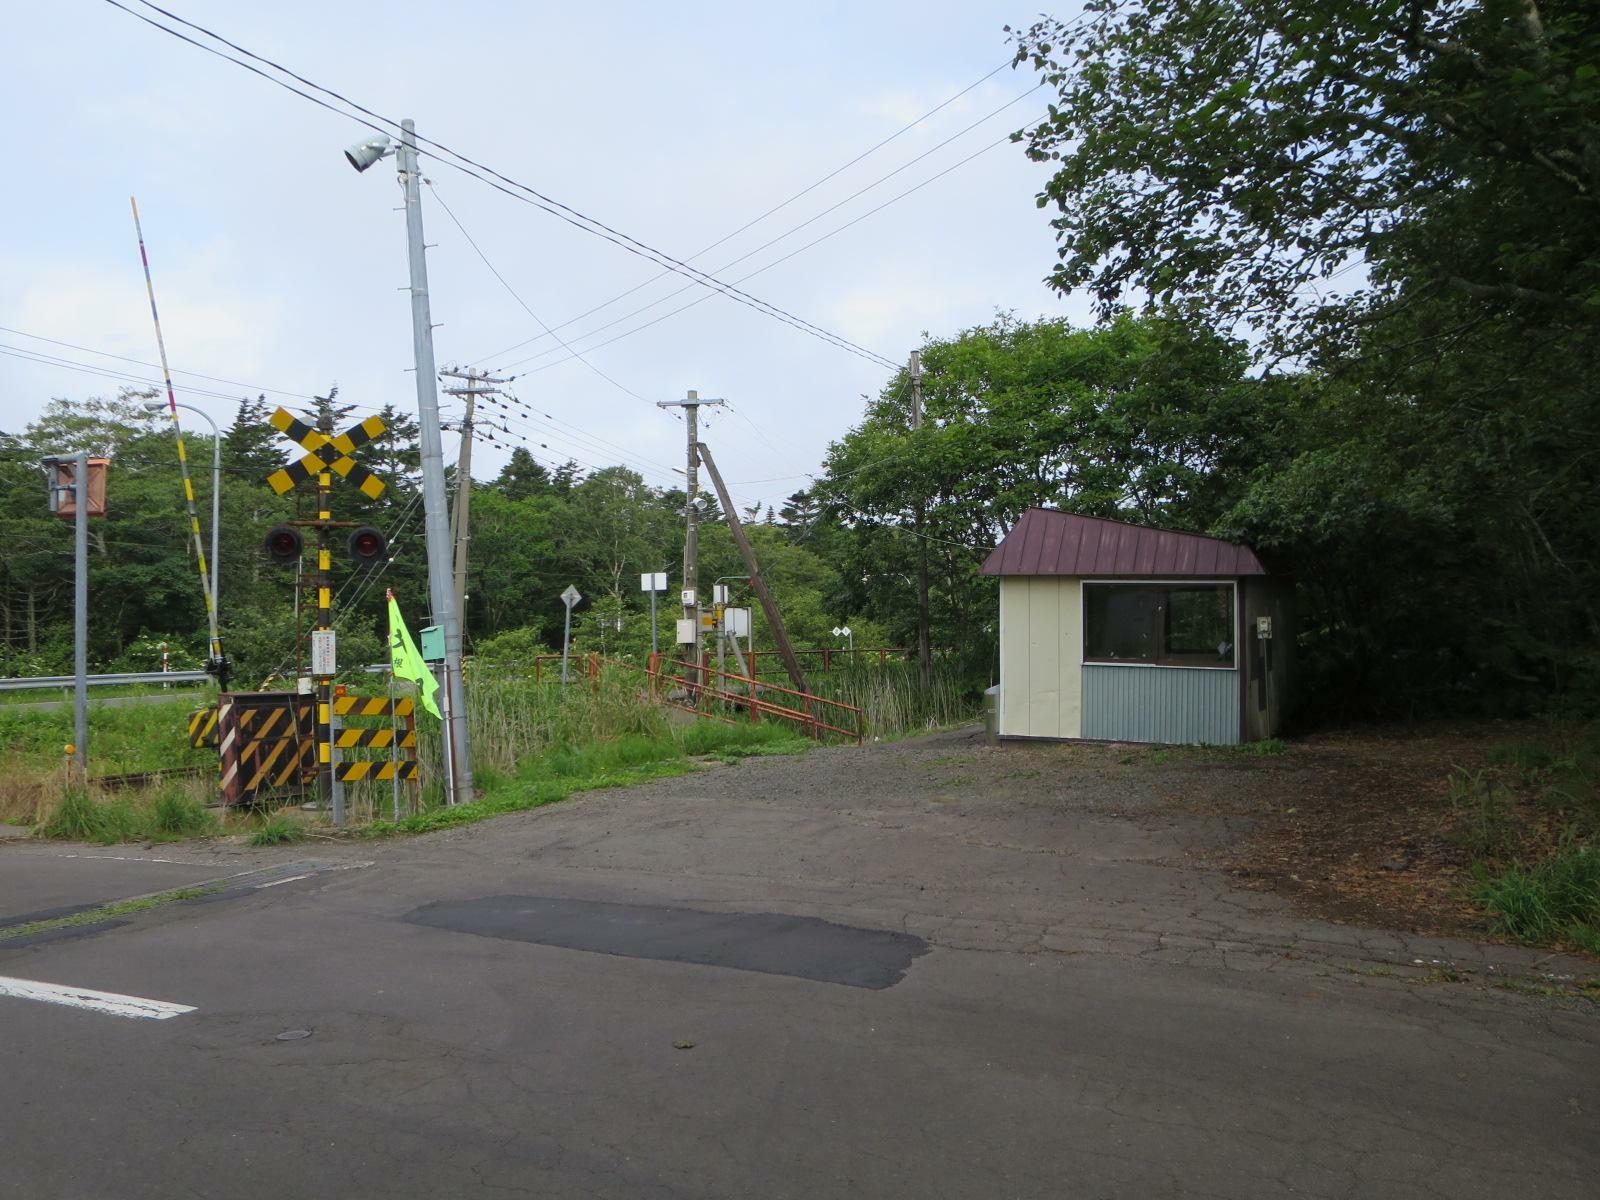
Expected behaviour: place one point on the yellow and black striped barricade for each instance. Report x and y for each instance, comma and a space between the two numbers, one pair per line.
267, 743
395, 740
203, 728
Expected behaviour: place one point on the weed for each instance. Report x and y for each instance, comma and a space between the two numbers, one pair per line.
176, 813
1481, 815
276, 830
105, 911
1557, 899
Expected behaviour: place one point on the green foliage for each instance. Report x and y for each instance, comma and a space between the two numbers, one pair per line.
895, 700
1482, 819
162, 816
1557, 899
276, 830
619, 761
175, 812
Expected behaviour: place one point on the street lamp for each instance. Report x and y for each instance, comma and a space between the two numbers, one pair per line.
160, 406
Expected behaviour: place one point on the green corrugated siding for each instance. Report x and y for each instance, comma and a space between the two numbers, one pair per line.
1160, 704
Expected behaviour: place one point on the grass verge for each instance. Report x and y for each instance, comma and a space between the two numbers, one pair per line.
105, 912
1557, 899
617, 762
163, 814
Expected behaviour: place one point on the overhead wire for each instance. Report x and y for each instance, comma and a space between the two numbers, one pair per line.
759, 270
876, 146
495, 271
493, 178
813, 219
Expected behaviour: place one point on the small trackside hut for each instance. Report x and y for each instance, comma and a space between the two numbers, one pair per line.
1117, 632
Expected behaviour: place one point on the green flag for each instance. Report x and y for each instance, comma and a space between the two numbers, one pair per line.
406, 662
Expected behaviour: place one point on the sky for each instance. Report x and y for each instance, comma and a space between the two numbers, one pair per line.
279, 269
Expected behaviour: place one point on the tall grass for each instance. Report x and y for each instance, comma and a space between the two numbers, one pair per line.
136, 737
161, 814
894, 698
1556, 899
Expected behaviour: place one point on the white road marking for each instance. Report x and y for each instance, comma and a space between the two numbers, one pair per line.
109, 1003
276, 882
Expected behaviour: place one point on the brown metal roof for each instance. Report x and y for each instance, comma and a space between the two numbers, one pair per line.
1047, 542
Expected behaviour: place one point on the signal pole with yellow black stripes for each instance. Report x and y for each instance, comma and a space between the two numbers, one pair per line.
327, 454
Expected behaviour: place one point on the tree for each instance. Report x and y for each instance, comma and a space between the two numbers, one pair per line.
1435, 482
252, 447
1235, 152
523, 476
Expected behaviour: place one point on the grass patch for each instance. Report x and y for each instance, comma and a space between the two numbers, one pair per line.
166, 814
104, 912
620, 761
1555, 900
277, 830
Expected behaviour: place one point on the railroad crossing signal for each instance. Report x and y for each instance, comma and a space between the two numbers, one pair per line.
324, 453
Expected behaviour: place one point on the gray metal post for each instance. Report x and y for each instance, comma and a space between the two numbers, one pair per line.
435, 504
566, 640
80, 617
655, 647
336, 785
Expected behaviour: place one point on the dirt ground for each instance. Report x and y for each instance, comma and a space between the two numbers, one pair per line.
1351, 826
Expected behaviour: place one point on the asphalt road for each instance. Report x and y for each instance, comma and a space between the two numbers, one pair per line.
861, 973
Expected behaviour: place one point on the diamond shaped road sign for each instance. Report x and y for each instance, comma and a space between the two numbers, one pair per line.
571, 596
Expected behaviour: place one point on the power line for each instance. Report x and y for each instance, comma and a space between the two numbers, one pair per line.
817, 217
906, 128
254, 387
512, 187
759, 270
493, 270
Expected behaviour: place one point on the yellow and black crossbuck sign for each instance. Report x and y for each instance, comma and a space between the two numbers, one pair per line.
324, 453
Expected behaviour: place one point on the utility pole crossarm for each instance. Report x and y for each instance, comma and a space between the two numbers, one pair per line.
757, 584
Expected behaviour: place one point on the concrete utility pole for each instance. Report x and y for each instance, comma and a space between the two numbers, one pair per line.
924, 653
691, 540
460, 520
441, 591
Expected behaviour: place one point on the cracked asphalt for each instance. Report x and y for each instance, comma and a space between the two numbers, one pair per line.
1096, 1015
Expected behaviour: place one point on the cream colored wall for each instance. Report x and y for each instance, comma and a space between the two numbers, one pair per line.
1041, 656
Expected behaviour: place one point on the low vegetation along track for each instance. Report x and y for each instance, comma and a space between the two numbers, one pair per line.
135, 779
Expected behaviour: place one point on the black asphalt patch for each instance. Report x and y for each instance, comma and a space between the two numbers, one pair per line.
775, 944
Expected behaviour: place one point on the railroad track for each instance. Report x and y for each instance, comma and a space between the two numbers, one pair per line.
133, 779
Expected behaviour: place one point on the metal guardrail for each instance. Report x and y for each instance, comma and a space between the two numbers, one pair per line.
28, 682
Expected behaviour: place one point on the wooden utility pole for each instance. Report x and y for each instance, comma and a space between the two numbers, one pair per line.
924, 653
692, 606
477, 384
757, 584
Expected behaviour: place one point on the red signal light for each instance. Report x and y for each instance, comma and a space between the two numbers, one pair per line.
367, 546
284, 545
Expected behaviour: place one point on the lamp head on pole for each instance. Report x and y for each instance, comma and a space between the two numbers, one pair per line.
368, 151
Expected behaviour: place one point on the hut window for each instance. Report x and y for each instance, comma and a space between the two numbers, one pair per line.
1164, 625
